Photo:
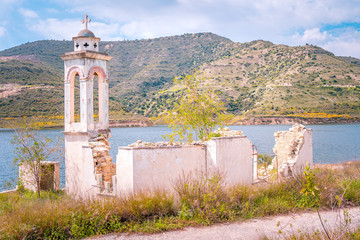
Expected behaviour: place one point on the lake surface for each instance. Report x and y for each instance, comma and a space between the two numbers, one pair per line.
331, 143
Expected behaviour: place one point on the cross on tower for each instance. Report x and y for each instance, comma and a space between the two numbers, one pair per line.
86, 20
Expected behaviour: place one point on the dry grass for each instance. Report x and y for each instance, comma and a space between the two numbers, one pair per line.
198, 199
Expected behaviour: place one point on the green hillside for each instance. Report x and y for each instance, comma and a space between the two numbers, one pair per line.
263, 78
260, 78
253, 79
138, 68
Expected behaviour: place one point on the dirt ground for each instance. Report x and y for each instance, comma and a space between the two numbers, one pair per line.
276, 227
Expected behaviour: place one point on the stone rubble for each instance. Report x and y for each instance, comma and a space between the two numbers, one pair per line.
226, 132
221, 132
287, 147
103, 164
140, 143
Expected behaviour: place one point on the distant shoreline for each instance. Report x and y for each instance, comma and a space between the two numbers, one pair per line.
267, 120
260, 120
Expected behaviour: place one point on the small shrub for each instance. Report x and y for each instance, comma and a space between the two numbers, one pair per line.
309, 197
352, 190
203, 196
265, 159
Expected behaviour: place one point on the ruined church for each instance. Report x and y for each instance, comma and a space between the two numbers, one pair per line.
90, 171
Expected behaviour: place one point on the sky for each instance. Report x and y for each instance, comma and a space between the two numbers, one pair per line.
331, 24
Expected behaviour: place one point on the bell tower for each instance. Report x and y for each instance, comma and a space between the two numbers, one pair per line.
84, 63
81, 67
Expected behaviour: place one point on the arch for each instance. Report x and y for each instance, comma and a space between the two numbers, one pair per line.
102, 78
72, 72
71, 79
99, 71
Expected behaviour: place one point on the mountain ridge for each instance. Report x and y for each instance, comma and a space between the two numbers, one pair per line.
256, 78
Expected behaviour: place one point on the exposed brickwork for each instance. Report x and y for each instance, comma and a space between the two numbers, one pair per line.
102, 161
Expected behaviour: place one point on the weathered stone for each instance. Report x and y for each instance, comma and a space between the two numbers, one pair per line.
291, 153
226, 132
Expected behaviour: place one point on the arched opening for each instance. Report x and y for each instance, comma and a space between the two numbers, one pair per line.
97, 75
96, 98
75, 98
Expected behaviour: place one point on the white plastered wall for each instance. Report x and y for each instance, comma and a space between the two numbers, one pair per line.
149, 168
305, 154
79, 166
139, 169
233, 157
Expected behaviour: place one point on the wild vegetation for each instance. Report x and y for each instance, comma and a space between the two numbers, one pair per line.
32, 149
196, 114
197, 200
252, 79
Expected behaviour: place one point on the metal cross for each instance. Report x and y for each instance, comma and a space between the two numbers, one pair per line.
86, 20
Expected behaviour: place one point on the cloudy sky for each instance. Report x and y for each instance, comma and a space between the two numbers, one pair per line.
331, 24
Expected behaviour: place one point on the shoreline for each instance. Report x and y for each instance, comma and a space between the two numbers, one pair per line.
274, 120
261, 120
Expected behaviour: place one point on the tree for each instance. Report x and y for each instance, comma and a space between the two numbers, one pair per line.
197, 113
32, 148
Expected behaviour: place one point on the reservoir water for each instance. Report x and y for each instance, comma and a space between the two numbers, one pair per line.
331, 143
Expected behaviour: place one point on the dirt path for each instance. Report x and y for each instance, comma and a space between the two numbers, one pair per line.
253, 229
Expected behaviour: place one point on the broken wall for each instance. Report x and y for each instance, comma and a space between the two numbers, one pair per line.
293, 150
89, 169
105, 169
49, 176
140, 168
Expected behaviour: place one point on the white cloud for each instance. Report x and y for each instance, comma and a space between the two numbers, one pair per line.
291, 22
52, 28
27, 13
341, 42
313, 36
2, 31
344, 48
346, 43
109, 32
165, 26
53, 10
240, 20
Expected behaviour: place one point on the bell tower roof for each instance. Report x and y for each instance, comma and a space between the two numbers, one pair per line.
86, 40
86, 33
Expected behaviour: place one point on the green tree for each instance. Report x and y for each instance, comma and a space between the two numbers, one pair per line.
32, 148
197, 113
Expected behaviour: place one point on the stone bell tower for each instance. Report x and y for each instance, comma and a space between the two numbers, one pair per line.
85, 62
82, 65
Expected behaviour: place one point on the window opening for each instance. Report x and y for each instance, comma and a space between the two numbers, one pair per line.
75, 99
96, 97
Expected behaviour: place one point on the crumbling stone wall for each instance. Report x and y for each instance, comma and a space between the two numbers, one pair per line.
105, 169
144, 166
293, 150
49, 176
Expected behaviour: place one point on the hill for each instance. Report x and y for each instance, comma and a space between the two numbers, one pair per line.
138, 67
253, 79
260, 78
